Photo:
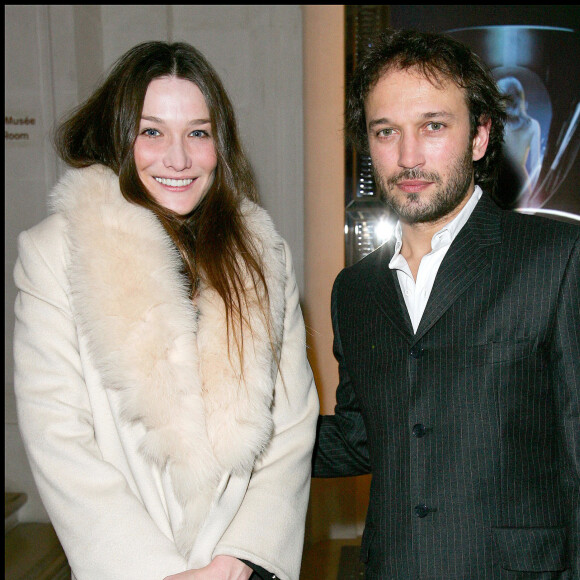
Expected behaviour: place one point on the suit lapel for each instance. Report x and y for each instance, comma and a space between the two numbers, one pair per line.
385, 290
465, 261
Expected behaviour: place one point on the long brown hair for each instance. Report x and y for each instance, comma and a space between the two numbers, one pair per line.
213, 240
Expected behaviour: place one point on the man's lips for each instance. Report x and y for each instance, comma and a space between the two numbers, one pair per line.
413, 186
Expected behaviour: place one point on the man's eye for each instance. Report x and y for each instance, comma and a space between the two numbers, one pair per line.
435, 126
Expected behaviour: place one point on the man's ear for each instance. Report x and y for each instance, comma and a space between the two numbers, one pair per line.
481, 139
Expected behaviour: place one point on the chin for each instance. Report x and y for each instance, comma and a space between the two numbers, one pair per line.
182, 211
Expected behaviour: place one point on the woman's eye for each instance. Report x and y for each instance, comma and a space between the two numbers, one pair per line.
150, 132
199, 133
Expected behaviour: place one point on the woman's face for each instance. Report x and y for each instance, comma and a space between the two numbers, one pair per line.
174, 152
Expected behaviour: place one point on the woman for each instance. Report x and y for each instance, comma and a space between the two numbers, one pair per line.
164, 395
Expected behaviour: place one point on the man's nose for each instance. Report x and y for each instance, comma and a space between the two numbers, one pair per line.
410, 152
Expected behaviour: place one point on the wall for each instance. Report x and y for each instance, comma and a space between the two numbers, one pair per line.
54, 55
337, 506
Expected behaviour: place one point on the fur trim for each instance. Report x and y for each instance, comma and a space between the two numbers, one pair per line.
167, 356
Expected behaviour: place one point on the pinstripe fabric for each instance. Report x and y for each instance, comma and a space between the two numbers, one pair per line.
490, 386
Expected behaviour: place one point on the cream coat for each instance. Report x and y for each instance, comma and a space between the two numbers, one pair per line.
150, 456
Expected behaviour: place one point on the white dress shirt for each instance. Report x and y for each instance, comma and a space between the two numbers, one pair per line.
416, 293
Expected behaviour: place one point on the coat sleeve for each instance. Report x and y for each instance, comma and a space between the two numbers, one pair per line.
103, 526
341, 442
268, 529
565, 362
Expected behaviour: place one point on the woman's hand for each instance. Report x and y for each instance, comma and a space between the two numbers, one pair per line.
220, 568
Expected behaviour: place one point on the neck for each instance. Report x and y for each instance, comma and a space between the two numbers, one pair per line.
416, 237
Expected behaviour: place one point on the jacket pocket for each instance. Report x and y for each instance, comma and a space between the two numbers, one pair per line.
492, 353
531, 549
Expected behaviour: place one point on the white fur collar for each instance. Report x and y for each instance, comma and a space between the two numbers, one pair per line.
167, 357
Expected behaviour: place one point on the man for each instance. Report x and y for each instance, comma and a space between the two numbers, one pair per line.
457, 341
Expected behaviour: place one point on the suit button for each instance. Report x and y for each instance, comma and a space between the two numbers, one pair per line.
421, 510
419, 430
416, 351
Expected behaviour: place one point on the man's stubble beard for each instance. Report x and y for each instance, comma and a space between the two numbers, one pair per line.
443, 201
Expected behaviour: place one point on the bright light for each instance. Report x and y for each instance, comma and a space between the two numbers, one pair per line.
384, 230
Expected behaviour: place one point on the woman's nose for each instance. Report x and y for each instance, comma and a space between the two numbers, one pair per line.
177, 156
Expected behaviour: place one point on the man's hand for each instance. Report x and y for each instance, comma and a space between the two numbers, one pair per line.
220, 568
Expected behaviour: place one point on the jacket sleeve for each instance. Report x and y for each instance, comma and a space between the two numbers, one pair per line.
341, 441
268, 529
565, 362
103, 526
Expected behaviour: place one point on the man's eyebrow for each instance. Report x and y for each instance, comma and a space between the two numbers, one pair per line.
381, 121
438, 114
428, 115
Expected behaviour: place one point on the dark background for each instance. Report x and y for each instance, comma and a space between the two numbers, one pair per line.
436, 18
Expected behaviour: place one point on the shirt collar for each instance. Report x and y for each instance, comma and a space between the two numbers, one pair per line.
449, 231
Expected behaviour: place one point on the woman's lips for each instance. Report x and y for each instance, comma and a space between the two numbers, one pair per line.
175, 184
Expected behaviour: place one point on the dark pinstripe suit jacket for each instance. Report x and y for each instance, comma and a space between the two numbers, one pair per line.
471, 426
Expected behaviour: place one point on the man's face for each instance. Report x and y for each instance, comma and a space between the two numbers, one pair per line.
420, 145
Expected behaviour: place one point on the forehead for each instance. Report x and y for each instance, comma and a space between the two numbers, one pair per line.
409, 91
169, 90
